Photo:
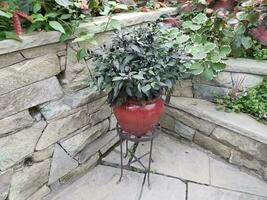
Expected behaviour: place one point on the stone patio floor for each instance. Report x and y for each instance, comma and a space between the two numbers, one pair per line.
180, 171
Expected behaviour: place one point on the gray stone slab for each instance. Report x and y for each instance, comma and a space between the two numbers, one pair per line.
209, 92
15, 122
202, 192
95, 146
16, 147
81, 138
27, 72
226, 176
10, 59
172, 158
249, 80
62, 163
43, 191
5, 181
163, 187
184, 131
28, 180
223, 79
29, 96
238, 122
183, 89
101, 184
249, 66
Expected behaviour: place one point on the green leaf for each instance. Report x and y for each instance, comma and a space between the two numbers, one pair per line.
115, 24
208, 74
121, 6
240, 29
106, 11
84, 37
246, 42
208, 47
81, 54
12, 35
117, 78
225, 50
5, 14
242, 15
36, 7
181, 39
196, 68
191, 26
215, 57
138, 77
218, 66
146, 88
197, 38
57, 26
64, 3
200, 18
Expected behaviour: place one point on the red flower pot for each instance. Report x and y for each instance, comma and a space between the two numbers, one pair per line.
136, 118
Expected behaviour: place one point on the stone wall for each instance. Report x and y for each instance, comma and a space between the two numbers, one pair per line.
237, 138
54, 126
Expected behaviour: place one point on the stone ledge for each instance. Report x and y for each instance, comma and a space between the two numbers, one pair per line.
244, 65
233, 121
43, 38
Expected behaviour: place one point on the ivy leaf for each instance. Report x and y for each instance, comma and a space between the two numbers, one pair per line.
225, 50
246, 42
240, 29
115, 24
241, 15
57, 26
191, 26
200, 18
5, 14
218, 66
208, 74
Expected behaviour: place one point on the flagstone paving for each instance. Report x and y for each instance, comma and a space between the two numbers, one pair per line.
179, 172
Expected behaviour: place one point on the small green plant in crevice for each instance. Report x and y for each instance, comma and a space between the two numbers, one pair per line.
252, 101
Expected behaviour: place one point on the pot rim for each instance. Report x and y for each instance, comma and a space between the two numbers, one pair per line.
136, 102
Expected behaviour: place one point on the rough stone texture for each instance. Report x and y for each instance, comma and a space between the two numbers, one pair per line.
60, 128
94, 147
225, 176
233, 121
111, 143
249, 80
208, 92
248, 66
85, 136
161, 184
103, 113
43, 191
28, 180
66, 105
184, 131
82, 97
223, 79
249, 162
245, 144
202, 192
190, 120
16, 147
30, 71
88, 186
76, 76
183, 89
29, 96
15, 122
167, 121
113, 122
80, 170
5, 181
212, 145
62, 163
43, 154
43, 50
10, 59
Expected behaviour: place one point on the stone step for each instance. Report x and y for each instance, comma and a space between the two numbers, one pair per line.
237, 122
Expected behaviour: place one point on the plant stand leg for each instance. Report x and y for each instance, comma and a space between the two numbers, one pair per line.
149, 163
121, 140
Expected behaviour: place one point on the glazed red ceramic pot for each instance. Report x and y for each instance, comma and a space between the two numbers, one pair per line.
138, 118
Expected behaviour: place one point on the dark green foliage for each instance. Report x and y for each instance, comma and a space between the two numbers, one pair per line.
138, 65
253, 101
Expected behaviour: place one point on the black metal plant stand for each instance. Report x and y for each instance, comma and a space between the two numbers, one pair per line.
149, 137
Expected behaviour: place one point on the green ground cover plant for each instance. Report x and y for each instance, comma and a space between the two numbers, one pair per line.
252, 101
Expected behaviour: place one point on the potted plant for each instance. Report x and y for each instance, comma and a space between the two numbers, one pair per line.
136, 70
